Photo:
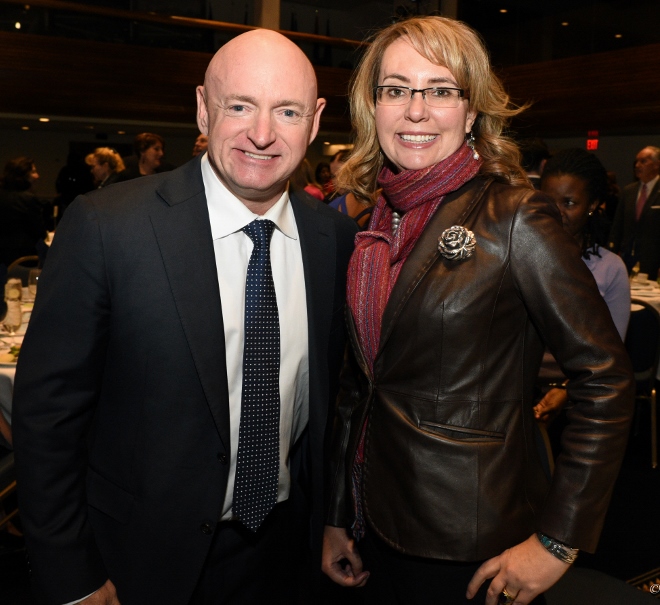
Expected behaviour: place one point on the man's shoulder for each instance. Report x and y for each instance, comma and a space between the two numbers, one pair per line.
137, 193
343, 223
630, 189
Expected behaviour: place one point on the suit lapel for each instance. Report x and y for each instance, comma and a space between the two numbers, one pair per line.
318, 246
183, 230
454, 210
654, 196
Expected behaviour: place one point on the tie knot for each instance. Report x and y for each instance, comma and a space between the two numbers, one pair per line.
260, 232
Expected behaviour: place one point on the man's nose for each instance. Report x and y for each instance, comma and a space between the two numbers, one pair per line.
262, 131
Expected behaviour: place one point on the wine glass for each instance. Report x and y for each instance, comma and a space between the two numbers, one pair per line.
11, 323
33, 281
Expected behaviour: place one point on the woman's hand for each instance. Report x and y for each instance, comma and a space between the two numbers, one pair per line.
526, 570
553, 401
106, 595
341, 561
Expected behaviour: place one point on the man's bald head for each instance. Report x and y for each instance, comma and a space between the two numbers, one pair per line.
259, 108
260, 45
647, 164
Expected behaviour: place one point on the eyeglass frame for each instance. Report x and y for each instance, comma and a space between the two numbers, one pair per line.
461, 94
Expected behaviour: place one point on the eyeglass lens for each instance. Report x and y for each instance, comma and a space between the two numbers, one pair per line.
435, 97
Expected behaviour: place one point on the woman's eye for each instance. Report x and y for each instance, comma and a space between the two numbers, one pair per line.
396, 92
441, 92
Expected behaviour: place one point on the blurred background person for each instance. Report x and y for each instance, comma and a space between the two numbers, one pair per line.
577, 182
337, 161
359, 209
463, 277
612, 199
201, 143
73, 179
22, 222
635, 233
302, 180
149, 150
534, 154
105, 165
323, 176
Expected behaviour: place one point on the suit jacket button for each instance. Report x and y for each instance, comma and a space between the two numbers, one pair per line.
206, 528
222, 458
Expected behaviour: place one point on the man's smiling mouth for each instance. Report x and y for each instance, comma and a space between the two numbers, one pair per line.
257, 156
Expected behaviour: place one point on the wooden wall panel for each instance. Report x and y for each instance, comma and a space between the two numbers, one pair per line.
58, 76
615, 93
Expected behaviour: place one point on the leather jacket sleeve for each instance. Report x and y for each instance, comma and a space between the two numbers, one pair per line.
576, 326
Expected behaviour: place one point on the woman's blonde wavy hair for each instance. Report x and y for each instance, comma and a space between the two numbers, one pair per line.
457, 47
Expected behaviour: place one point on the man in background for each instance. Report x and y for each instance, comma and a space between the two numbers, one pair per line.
201, 143
635, 233
534, 154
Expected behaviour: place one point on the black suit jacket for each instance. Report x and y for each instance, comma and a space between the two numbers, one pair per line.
638, 241
121, 413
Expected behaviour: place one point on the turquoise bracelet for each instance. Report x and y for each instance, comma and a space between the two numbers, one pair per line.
557, 549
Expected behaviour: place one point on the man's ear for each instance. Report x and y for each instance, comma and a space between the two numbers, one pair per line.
202, 111
316, 120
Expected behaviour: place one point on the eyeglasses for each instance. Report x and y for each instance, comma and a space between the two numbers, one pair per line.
434, 97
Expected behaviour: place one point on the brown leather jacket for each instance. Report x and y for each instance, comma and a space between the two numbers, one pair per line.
451, 470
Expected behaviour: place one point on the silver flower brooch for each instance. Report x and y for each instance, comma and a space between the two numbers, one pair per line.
457, 243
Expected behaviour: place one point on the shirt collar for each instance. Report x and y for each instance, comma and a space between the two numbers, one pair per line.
649, 185
229, 215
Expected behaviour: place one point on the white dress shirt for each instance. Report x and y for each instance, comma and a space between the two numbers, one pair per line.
233, 248
649, 187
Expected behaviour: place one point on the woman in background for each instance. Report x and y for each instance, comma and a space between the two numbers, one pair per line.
577, 182
323, 176
149, 150
463, 277
303, 180
105, 165
22, 222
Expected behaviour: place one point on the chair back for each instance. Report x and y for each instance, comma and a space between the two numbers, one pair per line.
21, 268
643, 340
7, 485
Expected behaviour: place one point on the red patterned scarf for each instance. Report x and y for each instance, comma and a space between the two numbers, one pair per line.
379, 255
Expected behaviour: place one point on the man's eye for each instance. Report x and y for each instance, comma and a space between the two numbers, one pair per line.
235, 109
290, 116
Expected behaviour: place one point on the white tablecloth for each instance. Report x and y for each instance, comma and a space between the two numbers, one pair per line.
7, 371
649, 293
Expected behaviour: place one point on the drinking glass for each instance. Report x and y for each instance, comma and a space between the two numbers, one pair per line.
12, 322
33, 280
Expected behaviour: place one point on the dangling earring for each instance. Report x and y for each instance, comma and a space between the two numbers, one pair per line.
470, 143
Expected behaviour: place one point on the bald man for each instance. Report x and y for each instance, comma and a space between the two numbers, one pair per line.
635, 233
128, 398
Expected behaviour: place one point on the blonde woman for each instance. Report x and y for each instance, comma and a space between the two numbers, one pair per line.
105, 164
437, 493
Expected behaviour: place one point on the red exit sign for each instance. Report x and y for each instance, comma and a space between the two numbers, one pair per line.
592, 140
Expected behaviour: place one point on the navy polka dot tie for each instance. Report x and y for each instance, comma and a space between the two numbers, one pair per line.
258, 460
